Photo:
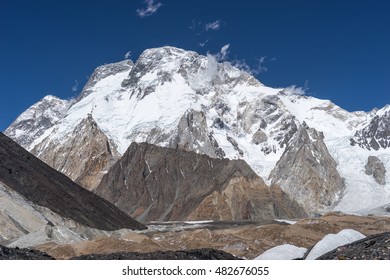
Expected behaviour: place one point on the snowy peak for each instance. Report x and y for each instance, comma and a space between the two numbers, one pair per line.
323, 115
37, 119
202, 74
104, 71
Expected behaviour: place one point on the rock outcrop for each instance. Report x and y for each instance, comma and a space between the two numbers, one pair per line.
307, 172
38, 183
193, 135
160, 184
376, 168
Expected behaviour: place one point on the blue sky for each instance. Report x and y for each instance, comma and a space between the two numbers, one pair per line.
338, 50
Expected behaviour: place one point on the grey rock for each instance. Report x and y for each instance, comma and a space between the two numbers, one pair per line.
194, 135
376, 168
307, 172
259, 137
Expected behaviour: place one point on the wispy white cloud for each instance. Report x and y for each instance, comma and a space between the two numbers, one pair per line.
256, 69
216, 25
75, 87
128, 55
223, 54
151, 8
242, 65
195, 24
202, 44
293, 89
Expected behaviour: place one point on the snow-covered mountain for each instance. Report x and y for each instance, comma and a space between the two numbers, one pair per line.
180, 99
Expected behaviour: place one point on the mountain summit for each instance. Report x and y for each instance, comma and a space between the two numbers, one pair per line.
179, 99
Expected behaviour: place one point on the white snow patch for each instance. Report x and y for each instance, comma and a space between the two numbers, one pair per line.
291, 222
332, 241
283, 252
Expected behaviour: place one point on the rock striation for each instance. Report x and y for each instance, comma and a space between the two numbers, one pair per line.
162, 184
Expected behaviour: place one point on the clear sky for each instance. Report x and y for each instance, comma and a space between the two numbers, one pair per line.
335, 49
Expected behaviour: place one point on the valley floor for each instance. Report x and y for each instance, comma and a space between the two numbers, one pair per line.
245, 240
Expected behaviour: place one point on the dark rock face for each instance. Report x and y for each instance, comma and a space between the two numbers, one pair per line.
307, 171
375, 247
22, 254
375, 135
44, 186
199, 254
159, 184
376, 168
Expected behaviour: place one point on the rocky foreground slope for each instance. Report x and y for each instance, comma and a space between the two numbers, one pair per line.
33, 194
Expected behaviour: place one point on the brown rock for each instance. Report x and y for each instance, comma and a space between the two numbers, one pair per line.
161, 184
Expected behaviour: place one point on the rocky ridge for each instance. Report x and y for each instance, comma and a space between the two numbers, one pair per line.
161, 184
